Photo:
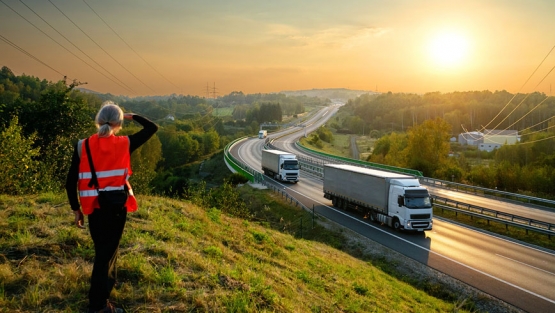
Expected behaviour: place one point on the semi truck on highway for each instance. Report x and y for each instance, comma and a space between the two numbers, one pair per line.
262, 134
396, 200
280, 165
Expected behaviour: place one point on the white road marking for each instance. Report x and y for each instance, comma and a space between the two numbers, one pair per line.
435, 253
537, 268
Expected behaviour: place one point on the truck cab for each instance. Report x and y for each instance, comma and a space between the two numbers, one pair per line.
410, 206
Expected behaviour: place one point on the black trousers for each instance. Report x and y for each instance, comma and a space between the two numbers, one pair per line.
106, 227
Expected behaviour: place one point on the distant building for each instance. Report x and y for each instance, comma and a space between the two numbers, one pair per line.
471, 138
489, 147
501, 137
490, 139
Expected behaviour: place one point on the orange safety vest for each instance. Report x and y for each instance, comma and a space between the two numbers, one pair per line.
112, 163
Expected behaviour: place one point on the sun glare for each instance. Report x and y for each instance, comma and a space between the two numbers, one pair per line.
448, 49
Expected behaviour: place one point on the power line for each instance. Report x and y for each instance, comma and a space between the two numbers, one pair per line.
129, 46
100, 46
537, 140
28, 54
529, 77
123, 86
541, 102
551, 70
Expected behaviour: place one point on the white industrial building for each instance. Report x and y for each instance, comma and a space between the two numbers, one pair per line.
490, 139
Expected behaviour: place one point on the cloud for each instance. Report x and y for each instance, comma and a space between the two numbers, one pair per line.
338, 37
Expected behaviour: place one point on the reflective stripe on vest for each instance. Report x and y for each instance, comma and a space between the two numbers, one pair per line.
112, 163
103, 174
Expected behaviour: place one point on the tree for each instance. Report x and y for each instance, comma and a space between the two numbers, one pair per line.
144, 161
18, 161
211, 142
428, 145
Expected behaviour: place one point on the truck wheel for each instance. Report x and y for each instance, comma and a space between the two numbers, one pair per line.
396, 224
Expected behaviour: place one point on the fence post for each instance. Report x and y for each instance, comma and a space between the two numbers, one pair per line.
301, 227
313, 216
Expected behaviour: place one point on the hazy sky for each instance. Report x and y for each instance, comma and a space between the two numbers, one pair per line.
269, 46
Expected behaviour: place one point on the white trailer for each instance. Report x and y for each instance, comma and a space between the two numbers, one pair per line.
280, 165
394, 199
262, 134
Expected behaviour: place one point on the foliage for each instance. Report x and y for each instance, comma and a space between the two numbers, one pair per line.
325, 134
144, 161
390, 150
265, 112
53, 114
461, 110
428, 146
20, 169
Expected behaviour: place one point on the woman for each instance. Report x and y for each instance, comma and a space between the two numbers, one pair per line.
111, 161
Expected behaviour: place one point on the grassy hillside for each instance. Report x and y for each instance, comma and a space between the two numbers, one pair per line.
177, 257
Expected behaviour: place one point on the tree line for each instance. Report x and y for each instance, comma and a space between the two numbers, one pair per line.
472, 110
414, 132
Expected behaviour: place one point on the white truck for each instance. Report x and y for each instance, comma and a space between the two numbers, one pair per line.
280, 165
262, 134
396, 200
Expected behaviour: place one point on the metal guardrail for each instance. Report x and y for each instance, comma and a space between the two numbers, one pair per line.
452, 205
338, 159
487, 192
312, 167
497, 216
239, 166
315, 167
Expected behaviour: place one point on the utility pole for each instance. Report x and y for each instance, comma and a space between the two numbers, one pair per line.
214, 91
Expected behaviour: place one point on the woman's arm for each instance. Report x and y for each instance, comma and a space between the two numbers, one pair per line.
139, 138
71, 181
71, 188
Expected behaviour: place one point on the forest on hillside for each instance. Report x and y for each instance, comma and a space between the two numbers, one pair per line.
464, 111
416, 131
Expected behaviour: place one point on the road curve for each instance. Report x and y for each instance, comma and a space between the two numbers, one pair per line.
518, 274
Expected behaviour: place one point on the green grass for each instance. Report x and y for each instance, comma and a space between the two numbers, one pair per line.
177, 257
340, 146
221, 112
365, 146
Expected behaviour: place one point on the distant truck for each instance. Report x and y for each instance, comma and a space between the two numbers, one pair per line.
280, 165
262, 134
394, 199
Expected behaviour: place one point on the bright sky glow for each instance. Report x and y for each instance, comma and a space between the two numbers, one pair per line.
270, 46
449, 50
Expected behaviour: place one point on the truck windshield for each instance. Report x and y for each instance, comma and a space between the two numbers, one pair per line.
416, 203
290, 165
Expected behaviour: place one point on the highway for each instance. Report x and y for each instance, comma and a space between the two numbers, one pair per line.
516, 273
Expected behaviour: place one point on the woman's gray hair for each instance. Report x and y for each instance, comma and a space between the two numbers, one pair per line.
109, 119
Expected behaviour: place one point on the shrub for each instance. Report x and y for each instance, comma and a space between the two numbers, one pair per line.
17, 161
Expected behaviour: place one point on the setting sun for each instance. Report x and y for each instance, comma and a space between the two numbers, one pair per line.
448, 49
